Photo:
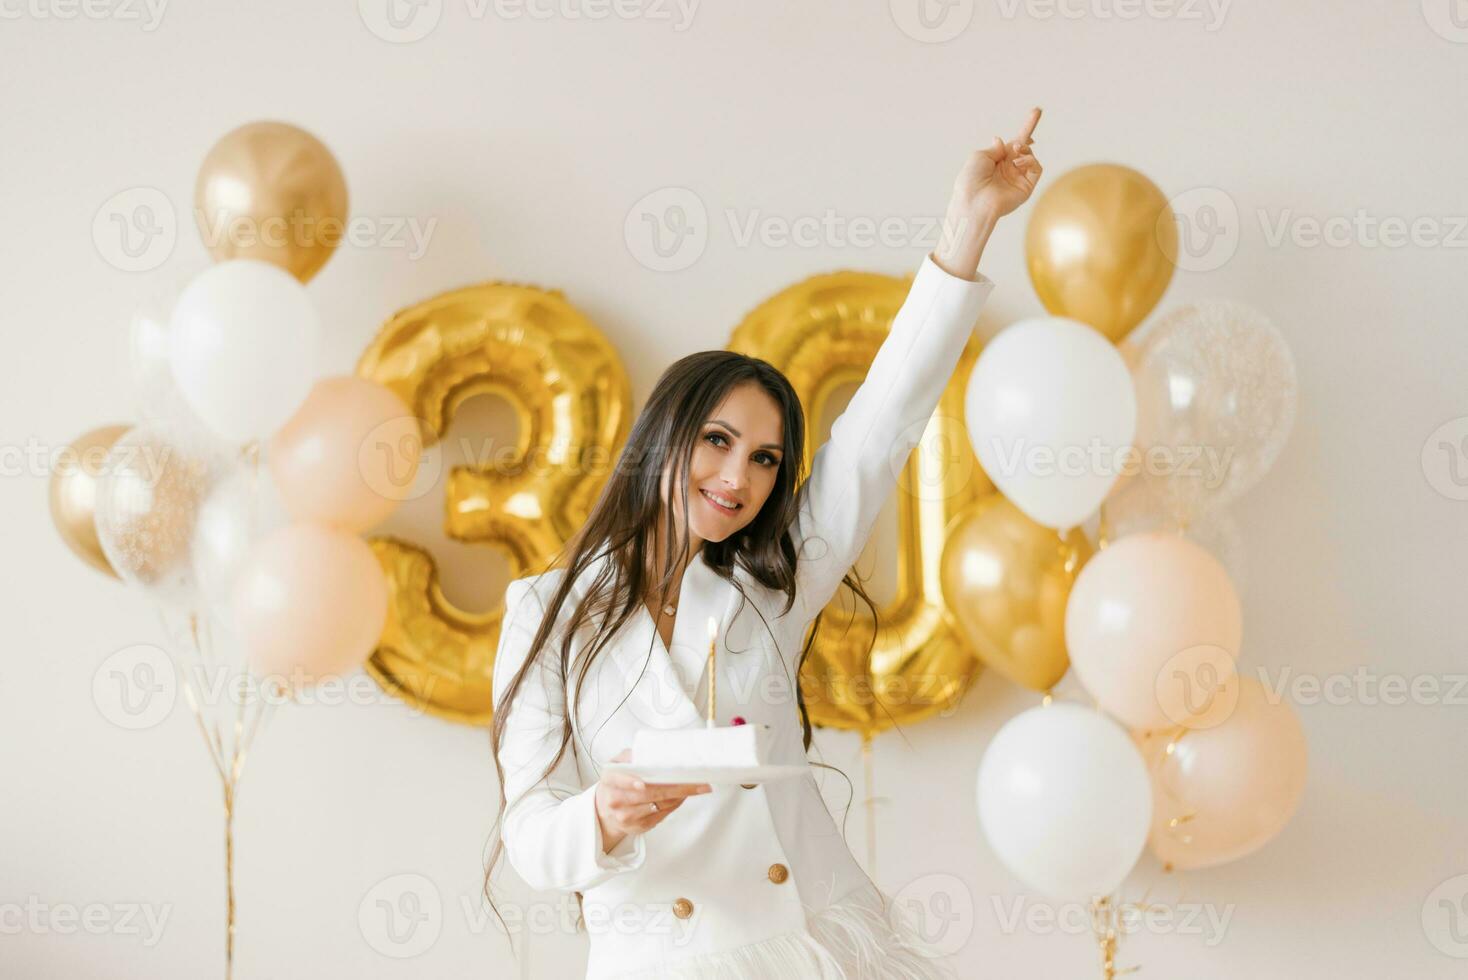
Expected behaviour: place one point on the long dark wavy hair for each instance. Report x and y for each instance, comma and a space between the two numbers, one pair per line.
623, 526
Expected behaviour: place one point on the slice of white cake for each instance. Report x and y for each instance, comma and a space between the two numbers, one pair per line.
723, 745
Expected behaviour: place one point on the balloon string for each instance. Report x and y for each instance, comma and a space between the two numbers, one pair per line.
211, 735
247, 724
1185, 813
870, 803
252, 450
1106, 927
1103, 927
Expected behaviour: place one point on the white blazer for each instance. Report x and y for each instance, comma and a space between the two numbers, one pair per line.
739, 875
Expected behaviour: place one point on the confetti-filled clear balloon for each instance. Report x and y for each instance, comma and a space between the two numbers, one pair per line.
154, 481
1135, 508
1216, 394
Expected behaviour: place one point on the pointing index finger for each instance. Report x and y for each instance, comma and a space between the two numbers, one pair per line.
1027, 133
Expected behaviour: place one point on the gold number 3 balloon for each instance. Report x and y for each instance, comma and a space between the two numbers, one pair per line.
824, 333
571, 396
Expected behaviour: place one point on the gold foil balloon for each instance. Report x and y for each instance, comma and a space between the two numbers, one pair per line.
271, 191
1006, 580
1097, 247
823, 333
572, 400
73, 494
155, 480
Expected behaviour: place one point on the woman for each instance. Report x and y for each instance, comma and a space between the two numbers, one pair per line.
706, 517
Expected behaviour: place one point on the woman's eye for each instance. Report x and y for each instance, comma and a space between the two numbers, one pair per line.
762, 458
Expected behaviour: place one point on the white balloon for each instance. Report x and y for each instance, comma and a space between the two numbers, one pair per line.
242, 344
239, 512
1065, 801
1052, 411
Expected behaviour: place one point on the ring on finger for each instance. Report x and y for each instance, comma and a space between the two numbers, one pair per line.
655, 807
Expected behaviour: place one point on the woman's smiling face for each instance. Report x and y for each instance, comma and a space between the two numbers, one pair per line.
739, 450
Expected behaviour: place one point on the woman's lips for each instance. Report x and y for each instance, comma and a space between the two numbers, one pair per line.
716, 505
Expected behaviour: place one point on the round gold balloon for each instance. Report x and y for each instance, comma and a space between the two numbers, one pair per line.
571, 397
823, 333
1006, 580
1099, 247
271, 191
73, 494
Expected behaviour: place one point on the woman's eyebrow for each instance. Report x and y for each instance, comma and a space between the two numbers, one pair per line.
737, 434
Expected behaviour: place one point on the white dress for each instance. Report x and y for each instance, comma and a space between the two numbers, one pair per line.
744, 882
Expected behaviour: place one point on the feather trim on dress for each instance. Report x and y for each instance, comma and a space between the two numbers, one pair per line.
864, 937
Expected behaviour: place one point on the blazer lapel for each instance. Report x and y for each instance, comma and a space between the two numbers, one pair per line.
669, 686
697, 602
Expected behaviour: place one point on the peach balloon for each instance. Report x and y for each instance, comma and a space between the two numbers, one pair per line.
1153, 627
310, 604
348, 456
1226, 791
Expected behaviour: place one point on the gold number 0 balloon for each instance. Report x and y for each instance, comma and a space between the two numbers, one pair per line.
823, 333
571, 396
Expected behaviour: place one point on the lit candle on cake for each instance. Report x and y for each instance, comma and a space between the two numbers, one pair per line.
713, 665
737, 747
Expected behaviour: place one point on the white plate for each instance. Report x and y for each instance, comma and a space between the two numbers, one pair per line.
713, 775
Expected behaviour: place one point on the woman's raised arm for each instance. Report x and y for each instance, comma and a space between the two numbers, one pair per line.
993, 182
855, 471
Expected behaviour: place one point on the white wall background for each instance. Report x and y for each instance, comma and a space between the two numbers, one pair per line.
528, 140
